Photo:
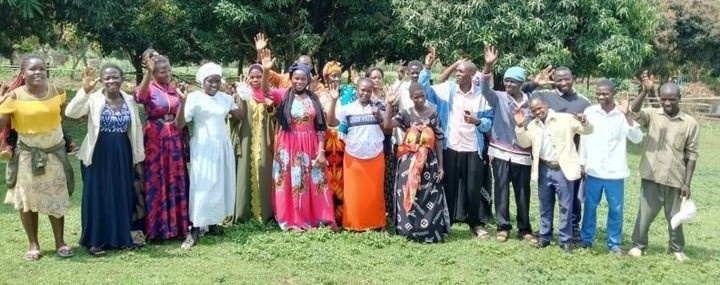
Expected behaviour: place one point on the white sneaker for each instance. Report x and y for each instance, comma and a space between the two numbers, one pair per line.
680, 256
635, 252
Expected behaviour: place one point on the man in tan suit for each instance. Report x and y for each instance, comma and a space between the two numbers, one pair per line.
555, 164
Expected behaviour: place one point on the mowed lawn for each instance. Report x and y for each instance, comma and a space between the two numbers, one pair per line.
256, 254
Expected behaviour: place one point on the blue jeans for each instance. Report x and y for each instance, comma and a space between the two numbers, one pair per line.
614, 192
552, 182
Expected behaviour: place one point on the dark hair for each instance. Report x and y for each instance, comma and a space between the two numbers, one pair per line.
539, 99
374, 68
415, 63
671, 87
415, 86
470, 66
606, 83
111, 66
285, 116
364, 79
25, 60
563, 68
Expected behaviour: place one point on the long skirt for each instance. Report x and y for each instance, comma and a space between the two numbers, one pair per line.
364, 205
389, 174
334, 152
108, 194
252, 140
423, 217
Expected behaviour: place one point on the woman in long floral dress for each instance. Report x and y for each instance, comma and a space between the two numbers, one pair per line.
301, 196
421, 212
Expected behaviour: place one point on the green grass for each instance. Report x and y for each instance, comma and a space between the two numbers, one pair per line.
256, 254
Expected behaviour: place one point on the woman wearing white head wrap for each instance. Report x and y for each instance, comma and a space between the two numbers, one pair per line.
212, 161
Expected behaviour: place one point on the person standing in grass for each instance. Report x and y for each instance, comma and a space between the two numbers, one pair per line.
667, 165
364, 161
420, 208
555, 164
301, 197
166, 175
112, 149
212, 161
511, 163
603, 159
39, 175
253, 140
464, 116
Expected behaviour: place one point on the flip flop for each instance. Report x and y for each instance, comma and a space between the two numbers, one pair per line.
97, 251
32, 255
65, 252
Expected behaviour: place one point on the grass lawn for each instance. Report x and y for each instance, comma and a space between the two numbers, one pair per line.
256, 254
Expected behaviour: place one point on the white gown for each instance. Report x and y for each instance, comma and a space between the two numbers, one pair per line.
212, 161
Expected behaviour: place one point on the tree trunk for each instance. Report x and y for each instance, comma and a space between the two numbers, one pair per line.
498, 82
135, 60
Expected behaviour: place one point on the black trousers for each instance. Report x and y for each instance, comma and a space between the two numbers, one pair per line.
506, 172
467, 198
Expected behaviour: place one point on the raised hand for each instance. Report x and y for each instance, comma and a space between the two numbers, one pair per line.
647, 81
430, 58
519, 117
181, 89
580, 117
260, 41
89, 80
149, 62
402, 70
390, 96
266, 59
491, 55
625, 104
543, 77
333, 90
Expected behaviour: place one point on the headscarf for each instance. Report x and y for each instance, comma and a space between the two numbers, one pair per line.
255, 66
516, 73
303, 68
331, 67
207, 70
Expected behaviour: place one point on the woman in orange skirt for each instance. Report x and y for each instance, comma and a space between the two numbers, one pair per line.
363, 162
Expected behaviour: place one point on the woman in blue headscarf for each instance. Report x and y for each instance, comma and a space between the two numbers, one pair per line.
301, 196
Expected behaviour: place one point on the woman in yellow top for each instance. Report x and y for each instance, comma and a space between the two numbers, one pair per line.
41, 176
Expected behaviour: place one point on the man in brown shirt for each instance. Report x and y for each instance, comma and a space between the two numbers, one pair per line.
667, 165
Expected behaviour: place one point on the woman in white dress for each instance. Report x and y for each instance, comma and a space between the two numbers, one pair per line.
212, 161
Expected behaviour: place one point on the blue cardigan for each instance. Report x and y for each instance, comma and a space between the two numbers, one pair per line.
444, 108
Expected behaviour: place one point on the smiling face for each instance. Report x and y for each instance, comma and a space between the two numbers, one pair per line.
162, 72
563, 81
212, 84
364, 91
605, 95
111, 79
299, 80
255, 78
414, 72
512, 86
539, 109
670, 99
35, 73
334, 77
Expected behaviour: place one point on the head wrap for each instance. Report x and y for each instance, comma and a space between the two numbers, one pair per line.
303, 68
207, 70
331, 67
255, 66
516, 73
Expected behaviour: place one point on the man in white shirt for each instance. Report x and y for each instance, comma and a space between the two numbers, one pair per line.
603, 157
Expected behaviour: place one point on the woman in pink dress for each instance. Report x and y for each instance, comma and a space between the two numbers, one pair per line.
301, 196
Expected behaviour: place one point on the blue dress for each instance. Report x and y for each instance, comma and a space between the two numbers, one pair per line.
108, 198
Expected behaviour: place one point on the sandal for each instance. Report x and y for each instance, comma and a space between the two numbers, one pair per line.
97, 251
188, 243
65, 252
530, 238
32, 255
502, 236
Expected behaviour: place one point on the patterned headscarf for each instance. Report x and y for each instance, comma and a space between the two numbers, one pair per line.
331, 67
303, 68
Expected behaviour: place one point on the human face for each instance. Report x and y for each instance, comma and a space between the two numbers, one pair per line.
418, 99
299, 80
605, 96
162, 72
334, 77
512, 86
212, 84
414, 73
377, 79
111, 80
462, 74
539, 109
364, 92
563, 81
255, 78
35, 73
669, 101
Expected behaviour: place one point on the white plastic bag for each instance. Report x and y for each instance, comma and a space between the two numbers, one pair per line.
686, 213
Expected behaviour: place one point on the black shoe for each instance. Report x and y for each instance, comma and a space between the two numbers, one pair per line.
583, 245
215, 230
542, 244
566, 248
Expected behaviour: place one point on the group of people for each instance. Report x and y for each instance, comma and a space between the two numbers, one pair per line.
413, 158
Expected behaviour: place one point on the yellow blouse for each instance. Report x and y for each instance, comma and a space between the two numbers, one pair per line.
30, 115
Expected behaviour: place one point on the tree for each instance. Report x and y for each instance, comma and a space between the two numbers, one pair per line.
603, 37
20, 19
